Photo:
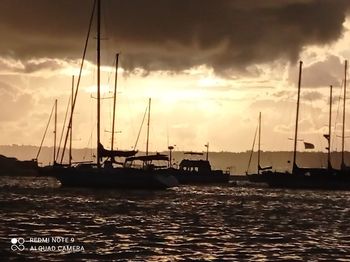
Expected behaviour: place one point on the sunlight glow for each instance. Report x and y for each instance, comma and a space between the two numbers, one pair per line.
211, 81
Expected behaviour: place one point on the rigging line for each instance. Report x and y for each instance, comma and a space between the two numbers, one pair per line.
251, 153
143, 120
79, 77
115, 98
109, 76
321, 157
167, 133
109, 91
334, 138
130, 120
63, 127
88, 144
47, 126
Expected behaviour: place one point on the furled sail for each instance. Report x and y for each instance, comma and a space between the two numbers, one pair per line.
149, 158
115, 153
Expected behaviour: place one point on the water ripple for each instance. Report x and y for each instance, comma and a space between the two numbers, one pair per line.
185, 223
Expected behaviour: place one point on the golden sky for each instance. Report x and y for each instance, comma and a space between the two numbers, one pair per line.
207, 84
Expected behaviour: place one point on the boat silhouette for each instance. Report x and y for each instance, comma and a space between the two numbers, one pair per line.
107, 174
199, 171
306, 177
11, 166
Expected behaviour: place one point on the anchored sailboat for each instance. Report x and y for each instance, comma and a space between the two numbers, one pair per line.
308, 178
296, 169
100, 175
260, 170
112, 154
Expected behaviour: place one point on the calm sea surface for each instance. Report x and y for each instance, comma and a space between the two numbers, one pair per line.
185, 223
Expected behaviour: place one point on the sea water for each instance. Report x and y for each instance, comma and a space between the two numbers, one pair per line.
41, 221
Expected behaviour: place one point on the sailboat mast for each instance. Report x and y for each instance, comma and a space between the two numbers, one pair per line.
343, 133
330, 127
297, 117
79, 78
259, 142
98, 78
114, 97
207, 154
55, 134
71, 125
148, 122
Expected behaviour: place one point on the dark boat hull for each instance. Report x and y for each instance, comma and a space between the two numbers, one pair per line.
317, 179
305, 182
197, 178
118, 178
11, 166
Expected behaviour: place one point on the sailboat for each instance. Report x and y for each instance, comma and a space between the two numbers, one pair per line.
295, 168
149, 161
258, 177
100, 175
304, 177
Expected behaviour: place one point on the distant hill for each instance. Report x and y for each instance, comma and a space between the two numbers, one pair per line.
236, 162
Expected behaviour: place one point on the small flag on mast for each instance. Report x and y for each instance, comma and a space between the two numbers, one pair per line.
326, 136
309, 145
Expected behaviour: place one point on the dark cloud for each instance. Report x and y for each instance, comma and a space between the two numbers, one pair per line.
305, 95
312, 96
173, 34
283, 94
323, 73
37, 65
33, 65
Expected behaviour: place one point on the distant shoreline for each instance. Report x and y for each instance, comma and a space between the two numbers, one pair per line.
235, 162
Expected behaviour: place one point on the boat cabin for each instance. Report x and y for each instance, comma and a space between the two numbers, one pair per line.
200, 166
150, 162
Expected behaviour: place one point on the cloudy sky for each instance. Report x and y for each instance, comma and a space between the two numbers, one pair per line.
209, 66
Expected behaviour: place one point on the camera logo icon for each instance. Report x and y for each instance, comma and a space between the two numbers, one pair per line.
17, 244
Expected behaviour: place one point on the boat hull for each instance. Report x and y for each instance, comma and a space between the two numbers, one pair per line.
197, 178
118, 178
305, 182
317, 181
